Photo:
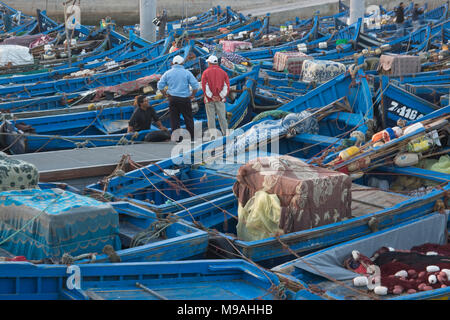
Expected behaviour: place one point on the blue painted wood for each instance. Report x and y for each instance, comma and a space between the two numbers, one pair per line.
397, 103
180, 241
136, 183
118, 54
270, 252
172, 240
66, 131
186, 280
159, 64
339, 291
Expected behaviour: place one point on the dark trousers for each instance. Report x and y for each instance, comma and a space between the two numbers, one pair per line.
177, 106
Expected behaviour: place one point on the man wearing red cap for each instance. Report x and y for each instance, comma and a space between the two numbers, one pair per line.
216, 87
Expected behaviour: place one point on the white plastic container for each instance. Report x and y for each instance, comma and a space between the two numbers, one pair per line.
407, 159
323, 45
412, 128
302, 47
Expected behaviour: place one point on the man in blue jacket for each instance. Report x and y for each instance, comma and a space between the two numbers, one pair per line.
179, 80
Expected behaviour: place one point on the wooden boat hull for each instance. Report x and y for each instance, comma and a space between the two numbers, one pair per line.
87, 129
344, 289
198, 280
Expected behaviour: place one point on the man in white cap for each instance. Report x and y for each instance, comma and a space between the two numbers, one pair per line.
216, 87
179, 80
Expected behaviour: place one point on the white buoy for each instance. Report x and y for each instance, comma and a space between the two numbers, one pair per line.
401, 274
147, 12
381, 290
433, 269
357, 10
360, 281
432, 279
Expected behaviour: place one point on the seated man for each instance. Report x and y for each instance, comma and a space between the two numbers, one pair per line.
142, 118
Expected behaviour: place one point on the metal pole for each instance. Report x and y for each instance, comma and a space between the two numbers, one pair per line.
147, 12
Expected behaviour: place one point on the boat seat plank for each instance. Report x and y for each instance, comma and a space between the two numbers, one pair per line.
366, 200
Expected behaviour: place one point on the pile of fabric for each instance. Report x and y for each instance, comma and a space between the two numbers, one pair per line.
15, 55
320, 71
397, 65
232, 46
126, 87
291, 125
220, 53
389, 271
233, 66
24, 41
42, 40
282, 194
291, 62
48, 223
17, 174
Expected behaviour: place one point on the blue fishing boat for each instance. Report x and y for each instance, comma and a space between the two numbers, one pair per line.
184, 280
396, 103
394, 207
119, 57
311, 42
386, 209
336, 89
433, 16
229, 20
106, 127
200, 19
205, 18
90, 42
325, 270
158, 65
214, 212
144, 237
432, 78
123, 55
193, 205
15, 22
99, 232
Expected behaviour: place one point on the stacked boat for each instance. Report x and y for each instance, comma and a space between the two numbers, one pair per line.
332, 184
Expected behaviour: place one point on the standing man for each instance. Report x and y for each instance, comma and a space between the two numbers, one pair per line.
400, 18
162, 25
216, 87
415, 16
178, 80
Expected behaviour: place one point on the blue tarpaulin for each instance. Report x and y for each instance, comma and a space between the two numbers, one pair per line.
41, 224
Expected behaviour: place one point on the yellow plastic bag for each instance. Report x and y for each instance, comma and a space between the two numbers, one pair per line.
443, 165
259, 218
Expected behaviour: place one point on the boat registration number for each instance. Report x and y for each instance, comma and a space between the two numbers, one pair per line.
404, 112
